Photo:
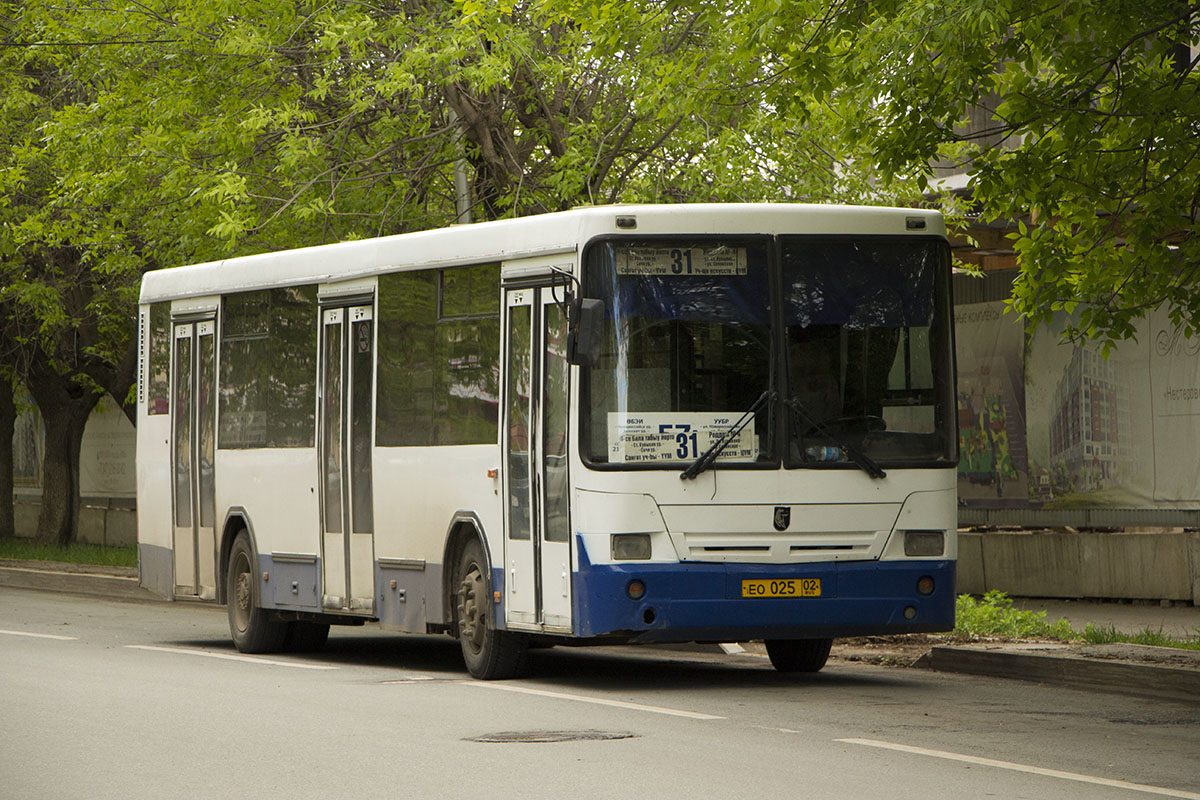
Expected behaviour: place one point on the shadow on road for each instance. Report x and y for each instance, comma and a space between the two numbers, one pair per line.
580, 668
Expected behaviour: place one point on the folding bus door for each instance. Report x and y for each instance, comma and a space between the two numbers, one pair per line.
193, 441
537, 541
348, 524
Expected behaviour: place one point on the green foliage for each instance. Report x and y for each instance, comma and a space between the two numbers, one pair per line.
1084, 119
994, 615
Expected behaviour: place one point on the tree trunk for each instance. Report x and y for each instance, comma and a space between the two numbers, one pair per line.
8, 424
58, 521
65, 406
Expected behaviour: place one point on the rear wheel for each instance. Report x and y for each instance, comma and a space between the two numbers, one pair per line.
798, 655
252, 628
489, 654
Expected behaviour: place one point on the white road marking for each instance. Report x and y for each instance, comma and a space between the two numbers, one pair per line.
228, 656
1050, 773
600, 701
41, 635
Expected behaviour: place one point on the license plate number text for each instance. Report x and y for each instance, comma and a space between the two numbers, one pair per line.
791, 587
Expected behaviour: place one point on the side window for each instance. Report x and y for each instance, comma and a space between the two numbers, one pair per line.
158, 366
269, 369
439, 348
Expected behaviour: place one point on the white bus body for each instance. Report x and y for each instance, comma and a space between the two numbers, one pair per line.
392, 430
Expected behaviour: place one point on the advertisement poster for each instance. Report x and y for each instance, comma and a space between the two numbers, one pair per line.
991, 407
1081, 430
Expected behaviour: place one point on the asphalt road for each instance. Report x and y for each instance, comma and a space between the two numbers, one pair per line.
101, 698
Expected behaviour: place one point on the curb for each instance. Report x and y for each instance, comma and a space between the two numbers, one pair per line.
1071, 667
112, 582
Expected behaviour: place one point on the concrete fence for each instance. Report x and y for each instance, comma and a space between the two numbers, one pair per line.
101, 521
1148, 566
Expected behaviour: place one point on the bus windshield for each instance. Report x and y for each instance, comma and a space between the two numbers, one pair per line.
686, 351
860, 374
868, 350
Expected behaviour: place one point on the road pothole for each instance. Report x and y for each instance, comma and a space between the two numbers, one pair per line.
517, 737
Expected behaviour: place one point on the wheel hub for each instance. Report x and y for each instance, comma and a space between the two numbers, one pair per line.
472, 620
241, 599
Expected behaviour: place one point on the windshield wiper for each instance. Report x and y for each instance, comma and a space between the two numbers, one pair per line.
709, 456
864, 461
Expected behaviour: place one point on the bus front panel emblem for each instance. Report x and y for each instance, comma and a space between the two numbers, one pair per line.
783, 517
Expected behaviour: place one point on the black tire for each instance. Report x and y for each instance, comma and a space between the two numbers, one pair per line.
489, 654
252, 628
306, 637
798, 655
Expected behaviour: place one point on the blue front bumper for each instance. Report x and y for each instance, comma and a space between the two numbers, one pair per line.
703, 601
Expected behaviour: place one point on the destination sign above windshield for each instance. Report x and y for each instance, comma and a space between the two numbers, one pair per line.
681, 261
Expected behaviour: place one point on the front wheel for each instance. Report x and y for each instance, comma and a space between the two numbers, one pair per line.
252, 628
489, 654
798, 655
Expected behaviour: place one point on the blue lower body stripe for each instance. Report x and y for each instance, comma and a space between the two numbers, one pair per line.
703, 601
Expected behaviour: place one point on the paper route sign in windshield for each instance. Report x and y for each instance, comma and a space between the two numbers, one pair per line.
674, 436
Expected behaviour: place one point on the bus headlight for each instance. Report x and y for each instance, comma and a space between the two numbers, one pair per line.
630, 546
924, 543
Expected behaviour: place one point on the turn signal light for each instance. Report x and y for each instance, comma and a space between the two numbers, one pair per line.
635, 589
925, 585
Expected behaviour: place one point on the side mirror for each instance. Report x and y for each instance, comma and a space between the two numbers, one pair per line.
586, 321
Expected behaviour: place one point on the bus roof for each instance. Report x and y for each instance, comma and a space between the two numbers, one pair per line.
504, 240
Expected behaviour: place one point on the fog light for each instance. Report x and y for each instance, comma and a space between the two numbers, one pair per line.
925, 585
910, 612
924, 543
635, 589
630, 546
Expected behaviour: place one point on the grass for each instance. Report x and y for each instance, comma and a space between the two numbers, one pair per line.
27, 549
993, 616
1154, 638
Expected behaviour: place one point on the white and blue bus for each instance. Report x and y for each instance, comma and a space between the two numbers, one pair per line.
617, 424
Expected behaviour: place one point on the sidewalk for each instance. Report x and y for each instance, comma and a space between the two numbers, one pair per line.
1153, 672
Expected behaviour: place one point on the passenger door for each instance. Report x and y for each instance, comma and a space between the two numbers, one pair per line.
193, 441
536, 486
347, 542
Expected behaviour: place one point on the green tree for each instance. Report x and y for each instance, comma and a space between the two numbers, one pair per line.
83, 216
1077, 120
173, 131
